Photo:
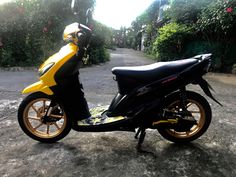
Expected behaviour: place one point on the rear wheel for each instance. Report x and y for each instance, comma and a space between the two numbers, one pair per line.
32, 119
197, 108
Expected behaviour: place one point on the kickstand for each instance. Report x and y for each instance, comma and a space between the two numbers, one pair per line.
137, 134
142, 133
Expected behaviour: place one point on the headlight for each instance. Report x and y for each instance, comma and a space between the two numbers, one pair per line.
45, 69
70, 31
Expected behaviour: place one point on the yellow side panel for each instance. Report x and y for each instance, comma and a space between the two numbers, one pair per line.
38, 87
59, 59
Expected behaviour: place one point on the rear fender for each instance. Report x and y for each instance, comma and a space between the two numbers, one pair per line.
38, 87
206, 87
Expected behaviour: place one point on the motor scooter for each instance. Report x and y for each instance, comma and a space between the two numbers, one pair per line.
149, 97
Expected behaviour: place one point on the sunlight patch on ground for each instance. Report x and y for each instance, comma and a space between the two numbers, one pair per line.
9, 104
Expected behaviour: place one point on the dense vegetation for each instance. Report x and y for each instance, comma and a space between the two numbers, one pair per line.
189, 27
31, 31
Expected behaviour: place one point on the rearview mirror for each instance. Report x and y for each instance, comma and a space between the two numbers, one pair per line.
89, 15
73, 6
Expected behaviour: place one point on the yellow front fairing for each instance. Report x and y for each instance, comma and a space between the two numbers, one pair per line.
47, 80
38, 87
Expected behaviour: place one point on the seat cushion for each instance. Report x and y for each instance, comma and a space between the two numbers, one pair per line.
153, 71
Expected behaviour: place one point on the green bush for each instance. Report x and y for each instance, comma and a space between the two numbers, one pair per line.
186, 11
31, 31
98, 55
148, 41
233, 69
97, 51
217, 26
171, 41
197, 47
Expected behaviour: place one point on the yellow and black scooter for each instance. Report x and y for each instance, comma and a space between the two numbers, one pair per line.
152, 96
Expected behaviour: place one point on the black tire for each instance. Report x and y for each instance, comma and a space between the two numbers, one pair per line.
203, 123
26, 121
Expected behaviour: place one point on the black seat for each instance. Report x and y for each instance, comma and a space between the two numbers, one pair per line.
153, 71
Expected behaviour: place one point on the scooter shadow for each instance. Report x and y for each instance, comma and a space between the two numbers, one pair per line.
194, 159
191, 159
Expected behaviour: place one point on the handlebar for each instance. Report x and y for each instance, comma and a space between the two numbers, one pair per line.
84, 35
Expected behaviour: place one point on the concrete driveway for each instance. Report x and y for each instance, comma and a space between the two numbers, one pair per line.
113, 153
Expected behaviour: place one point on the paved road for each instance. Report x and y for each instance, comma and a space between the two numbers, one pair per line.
113, 154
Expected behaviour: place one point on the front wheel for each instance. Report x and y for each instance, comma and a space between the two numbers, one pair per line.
198, 108
34, 122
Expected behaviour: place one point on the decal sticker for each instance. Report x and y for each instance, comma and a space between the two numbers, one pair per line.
143, 90
98, 118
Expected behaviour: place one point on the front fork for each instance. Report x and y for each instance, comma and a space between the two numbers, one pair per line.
49, 110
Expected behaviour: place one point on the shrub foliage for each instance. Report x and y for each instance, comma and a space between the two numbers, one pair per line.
171, 41
31, 30
192, 27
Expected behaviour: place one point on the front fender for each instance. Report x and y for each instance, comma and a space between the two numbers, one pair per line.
38, 87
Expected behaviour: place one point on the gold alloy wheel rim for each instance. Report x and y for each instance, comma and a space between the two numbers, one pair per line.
33, 114
196, 111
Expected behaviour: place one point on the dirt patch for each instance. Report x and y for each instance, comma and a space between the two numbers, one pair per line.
223, 78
